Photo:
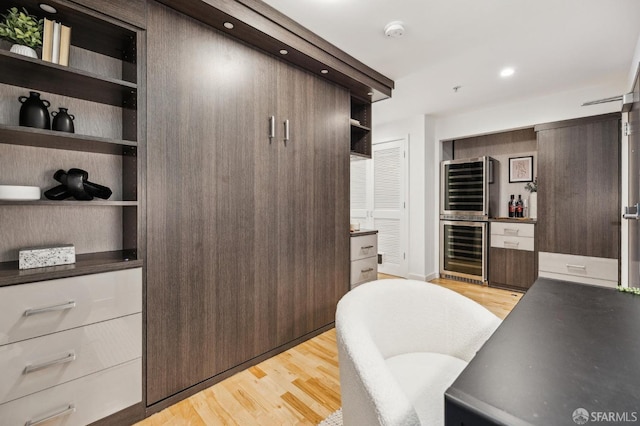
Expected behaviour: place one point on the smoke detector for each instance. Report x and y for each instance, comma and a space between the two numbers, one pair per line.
394, 29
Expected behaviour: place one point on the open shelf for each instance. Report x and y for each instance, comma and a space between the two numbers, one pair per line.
89, 263
360, 127
98, 34
29, 136
19, 70
70, 203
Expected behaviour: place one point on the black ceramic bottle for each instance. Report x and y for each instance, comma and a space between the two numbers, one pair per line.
62, 121
34, 112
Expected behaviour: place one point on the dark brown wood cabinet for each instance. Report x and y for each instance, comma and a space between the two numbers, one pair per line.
513, 269
248, 245
579, 186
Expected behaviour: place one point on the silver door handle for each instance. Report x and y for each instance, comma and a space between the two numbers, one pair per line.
67, 410
570, 266
628, 212
71, 356
61, 307
366, 247
366, 270
286, 130
272, 127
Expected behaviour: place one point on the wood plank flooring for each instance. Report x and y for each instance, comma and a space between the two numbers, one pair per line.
298, 387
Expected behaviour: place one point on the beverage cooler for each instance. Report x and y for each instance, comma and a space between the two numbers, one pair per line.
463, 249
469, 196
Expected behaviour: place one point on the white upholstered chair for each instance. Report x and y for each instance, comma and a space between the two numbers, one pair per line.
401, 344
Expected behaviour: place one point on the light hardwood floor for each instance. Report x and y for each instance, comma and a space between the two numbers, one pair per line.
298, 387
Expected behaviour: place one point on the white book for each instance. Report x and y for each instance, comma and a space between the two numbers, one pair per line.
55, 55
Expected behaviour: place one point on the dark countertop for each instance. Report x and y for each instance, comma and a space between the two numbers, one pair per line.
513, 219
363, 232
564, 346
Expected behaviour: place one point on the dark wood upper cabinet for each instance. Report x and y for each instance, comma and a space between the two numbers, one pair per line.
579, 186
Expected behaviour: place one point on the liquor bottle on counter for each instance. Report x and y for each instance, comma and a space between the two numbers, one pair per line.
519, 207
512, 207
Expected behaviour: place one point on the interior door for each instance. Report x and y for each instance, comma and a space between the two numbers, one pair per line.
389, 205
633, 136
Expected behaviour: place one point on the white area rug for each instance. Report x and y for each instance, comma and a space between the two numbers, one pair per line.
334, 419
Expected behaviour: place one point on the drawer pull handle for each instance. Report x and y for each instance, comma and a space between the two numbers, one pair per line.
570, 266
366, 247
71, 356
511, 231
511, 243
364, 271
61, 307
68, 410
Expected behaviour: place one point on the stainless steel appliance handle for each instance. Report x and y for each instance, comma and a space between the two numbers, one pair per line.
61, 307
71, 356
67, 410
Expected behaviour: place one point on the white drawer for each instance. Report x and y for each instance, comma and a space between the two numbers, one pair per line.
94, 396
73, 302
509, 229
513, 243
364, 270
35, 364
594, 268
364, 246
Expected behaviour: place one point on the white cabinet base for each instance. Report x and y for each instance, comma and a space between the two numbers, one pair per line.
80, 401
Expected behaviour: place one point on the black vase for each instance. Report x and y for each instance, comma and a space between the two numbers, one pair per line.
62, 121
34, 112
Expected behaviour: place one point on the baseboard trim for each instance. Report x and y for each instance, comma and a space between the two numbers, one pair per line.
432, 277
416, 277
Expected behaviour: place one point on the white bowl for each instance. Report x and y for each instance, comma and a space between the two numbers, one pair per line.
17, 193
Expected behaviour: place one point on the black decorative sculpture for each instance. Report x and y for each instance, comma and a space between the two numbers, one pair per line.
75, 184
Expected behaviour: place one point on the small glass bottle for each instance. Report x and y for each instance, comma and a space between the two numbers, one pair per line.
512, 207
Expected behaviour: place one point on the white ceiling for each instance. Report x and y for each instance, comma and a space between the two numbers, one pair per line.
554, 46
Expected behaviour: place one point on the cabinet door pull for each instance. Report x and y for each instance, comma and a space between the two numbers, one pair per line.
71, 356
272, 127
61, 307
366, 247
511, 243
570, 266
286, 131
511, 231
364, 271
67, 410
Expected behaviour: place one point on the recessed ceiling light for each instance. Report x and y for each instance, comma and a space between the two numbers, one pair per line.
283, 51
507, 72
228, 25
324, 71
48, 8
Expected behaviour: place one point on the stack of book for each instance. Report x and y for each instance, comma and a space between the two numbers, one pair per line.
56, 41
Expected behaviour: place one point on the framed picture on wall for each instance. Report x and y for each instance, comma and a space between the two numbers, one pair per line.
521, 169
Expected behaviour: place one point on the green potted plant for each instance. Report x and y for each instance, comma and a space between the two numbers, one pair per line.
23, 29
